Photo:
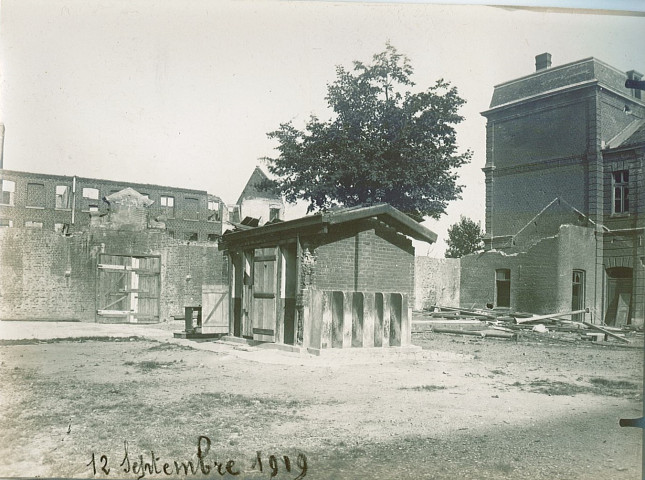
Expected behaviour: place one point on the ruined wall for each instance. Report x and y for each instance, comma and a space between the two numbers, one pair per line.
51, 276
541, 276
190, 214
437, 282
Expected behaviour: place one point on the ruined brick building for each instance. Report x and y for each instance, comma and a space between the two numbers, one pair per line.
76, 248
565, 148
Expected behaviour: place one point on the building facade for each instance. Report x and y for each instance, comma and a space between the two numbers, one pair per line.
565, 145
66, 204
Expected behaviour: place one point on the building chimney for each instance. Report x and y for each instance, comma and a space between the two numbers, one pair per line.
636, 77
542, 61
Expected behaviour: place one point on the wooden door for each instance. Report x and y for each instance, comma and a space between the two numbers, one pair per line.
215, 309
578, 294
128, 289
264, 294
619, 291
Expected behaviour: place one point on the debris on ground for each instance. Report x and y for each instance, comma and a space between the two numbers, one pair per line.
502, 323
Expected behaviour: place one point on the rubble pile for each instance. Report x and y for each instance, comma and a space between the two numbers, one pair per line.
505, 324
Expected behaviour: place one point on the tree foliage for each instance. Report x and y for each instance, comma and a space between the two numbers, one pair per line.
382, 144
464, 237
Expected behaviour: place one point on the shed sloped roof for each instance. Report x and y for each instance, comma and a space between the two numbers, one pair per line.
383, 212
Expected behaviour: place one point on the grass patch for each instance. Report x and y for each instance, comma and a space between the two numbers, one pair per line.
149, 365
425, 388
597, 386
555, 387
164, 347
614, 384
37, 341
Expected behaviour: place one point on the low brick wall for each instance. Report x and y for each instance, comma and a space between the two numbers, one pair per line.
48, 276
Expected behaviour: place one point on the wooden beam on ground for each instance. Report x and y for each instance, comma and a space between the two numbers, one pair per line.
550, 315
606, 332
477, 333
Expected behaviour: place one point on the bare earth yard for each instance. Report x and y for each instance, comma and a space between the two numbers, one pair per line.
465, 407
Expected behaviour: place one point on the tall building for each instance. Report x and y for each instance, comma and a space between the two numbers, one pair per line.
565, 146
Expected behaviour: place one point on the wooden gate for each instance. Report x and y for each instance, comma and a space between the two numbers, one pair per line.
128, 289
265, 284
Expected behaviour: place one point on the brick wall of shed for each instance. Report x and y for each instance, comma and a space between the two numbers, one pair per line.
34, 284
437, 282
372, 260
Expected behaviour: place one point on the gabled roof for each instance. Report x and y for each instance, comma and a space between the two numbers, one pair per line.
252, 190
383, 212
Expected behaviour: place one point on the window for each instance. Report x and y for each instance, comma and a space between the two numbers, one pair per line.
91, 193
61, 228
191, 212
274, 214
621, 191
168, 205
192, 236
503, 287
62, 197
213, 237
234, 214
213, 211
36, 195
4, 222
7, 189
32, 224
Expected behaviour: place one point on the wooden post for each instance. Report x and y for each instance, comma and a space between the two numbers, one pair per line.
368, 319
347, 319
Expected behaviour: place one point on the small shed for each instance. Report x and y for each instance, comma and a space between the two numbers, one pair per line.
338, 279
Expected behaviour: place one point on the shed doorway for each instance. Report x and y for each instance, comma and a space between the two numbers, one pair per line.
619, 296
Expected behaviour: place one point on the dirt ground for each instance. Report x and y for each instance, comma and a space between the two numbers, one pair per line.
465, 407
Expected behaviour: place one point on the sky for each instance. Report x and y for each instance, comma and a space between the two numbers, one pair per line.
183, 92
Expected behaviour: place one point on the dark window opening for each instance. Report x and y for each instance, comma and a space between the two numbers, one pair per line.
274, 214
192, 236
503, 287
214, 211
578, 294
213, 237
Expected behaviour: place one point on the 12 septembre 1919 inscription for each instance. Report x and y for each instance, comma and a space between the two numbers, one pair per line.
148, 464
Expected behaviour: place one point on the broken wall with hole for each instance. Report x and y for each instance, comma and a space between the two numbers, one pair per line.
540, 276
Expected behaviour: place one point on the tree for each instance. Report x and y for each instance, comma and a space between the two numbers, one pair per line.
382, 144
464, 237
